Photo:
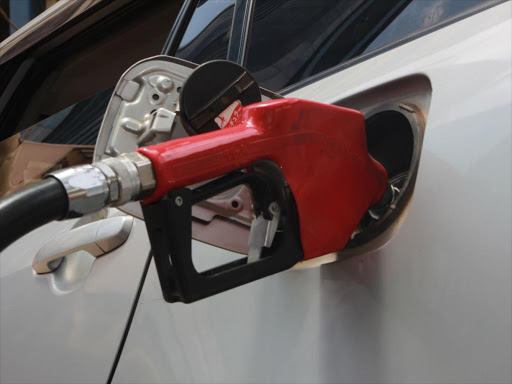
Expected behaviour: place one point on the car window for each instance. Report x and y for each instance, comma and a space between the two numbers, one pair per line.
419, 15
62, 140
57, 125
292, 40
66, 69
207, 35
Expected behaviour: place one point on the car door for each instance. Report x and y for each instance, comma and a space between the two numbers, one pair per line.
67, 325
425, 295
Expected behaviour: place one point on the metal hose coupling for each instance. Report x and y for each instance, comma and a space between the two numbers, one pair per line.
109, 182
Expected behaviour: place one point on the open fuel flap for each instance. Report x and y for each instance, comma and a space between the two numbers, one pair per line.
144, 110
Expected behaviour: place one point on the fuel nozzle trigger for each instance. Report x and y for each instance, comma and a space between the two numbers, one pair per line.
272, 250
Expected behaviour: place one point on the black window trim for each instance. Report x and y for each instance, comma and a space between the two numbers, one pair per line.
240, 29
179, 27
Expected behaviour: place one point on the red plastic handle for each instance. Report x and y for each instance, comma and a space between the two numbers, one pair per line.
320, 148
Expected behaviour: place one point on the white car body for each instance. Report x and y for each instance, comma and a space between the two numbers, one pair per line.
432, 303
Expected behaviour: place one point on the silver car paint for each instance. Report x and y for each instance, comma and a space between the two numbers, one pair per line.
66, 326
431, 305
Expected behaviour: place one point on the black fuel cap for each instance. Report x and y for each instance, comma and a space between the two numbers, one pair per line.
215, 87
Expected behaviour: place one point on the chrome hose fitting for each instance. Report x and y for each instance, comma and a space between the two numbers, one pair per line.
109, 182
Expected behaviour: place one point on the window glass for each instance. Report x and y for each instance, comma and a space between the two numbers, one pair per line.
62, 140
207, 35
67, 69
419, 15
294, 39
58, 106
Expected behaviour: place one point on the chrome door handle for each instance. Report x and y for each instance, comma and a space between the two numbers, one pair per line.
96, 238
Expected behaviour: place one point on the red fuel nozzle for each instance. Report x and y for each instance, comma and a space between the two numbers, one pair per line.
321, 150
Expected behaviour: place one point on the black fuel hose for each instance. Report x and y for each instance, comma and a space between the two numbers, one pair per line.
30, 208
